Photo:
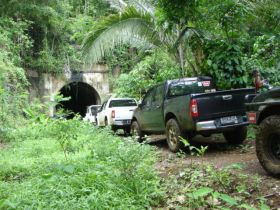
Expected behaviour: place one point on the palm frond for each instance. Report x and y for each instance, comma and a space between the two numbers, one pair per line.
119, 29
186, 34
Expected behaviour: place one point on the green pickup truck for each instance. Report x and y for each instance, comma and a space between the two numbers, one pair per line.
190, 106
264, 110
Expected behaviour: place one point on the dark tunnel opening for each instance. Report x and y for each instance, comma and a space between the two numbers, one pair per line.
81, 95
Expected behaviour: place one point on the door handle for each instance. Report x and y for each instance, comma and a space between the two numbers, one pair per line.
227, 97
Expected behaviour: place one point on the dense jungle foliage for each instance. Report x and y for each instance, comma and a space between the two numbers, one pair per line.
223, 39
59, 164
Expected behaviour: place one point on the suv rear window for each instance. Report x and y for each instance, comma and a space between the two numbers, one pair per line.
94, 109
187, 87
120, 103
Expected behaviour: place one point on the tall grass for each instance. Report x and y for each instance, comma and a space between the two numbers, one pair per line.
57, 164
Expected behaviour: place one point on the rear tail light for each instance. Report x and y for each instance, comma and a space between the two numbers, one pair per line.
113, 114
252, 117
194, 108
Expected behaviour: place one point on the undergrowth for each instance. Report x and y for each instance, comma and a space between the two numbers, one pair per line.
59, 164
202, 186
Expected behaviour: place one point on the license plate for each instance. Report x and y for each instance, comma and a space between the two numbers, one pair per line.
126, 122
229, 120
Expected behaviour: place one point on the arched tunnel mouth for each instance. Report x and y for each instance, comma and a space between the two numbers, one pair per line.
81, 96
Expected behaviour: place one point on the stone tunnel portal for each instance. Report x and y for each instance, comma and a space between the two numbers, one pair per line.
81, 95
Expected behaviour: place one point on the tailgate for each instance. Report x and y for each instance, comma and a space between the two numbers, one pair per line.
123, 113
221, 103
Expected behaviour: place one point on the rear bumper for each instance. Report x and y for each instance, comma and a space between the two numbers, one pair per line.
215, 125
121, 123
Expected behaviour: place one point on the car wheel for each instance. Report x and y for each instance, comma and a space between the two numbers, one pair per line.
114, 129
173, 132
136, 131
236, 136
106, 122
126, 131
268, 144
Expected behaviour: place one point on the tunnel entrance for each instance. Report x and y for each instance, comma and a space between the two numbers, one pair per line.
82, 95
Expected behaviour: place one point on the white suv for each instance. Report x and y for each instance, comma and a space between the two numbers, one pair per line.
117, 113
91, 113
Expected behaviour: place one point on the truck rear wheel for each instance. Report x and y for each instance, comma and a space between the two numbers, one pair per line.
173, 132
136, 131
114, 128
126, 130
268, 144
236, 136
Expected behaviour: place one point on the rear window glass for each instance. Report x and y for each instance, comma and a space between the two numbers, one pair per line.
119, 103
187, 87
94, 109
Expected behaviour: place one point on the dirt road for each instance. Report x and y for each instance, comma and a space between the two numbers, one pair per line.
220, 155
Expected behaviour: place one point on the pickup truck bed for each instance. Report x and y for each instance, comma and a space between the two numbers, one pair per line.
221, 110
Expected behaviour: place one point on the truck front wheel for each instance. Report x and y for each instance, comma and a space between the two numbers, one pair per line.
136, 131
173, 132
268, 144
236, 136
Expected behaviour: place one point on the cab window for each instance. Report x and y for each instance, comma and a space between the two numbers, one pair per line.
147, 101
158, 96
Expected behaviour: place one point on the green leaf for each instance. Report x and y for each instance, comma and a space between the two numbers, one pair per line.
216, 194
264, 207
47, 176
236, 166
9, 204
215, 67
229, 200
69, 169
245, 206
202, 192
209, 62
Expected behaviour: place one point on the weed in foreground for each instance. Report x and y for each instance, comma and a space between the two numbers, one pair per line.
202, 186
100, 170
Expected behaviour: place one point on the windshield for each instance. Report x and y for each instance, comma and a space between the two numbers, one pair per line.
187, 87
120, 103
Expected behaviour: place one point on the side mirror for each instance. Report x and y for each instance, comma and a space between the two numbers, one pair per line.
266, 84
141, 104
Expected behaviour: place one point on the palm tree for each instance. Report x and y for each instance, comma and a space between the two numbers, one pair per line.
135, 24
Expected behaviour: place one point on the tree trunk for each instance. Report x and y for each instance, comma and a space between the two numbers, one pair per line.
181, 54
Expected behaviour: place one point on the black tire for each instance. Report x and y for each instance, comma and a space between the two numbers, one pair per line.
173, 132
126, 131
268, 144
236, 136
136, 131
106, 122
114, 129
